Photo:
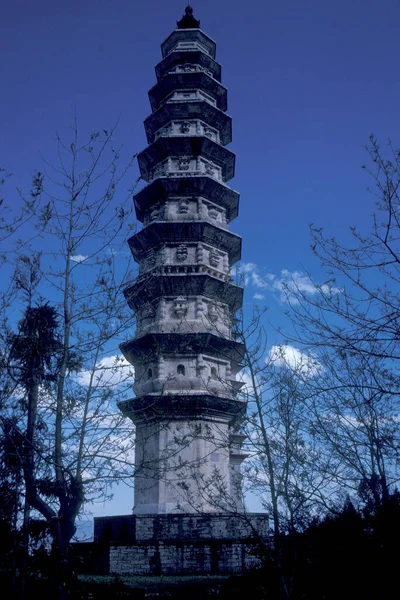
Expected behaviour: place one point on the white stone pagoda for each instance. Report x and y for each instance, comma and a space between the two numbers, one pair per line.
188, 515
184, 352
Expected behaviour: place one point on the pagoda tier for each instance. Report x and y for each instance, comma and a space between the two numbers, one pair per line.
195, 118
186, 358
174, 343
207, 244
193, 198
182, 407
186, 154
183, 60
149, 289
188, 40
187, 86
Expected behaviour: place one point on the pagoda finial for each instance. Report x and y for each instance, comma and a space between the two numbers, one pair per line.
188, 21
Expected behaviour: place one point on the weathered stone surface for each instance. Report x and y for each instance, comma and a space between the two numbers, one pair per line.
171, 544
177, 558
181, 527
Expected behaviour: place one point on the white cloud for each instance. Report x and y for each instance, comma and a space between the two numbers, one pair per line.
78, 258
244, 377
259, 296
291, 357
286, 285
243, 271
291, 282
246, 267
111, 370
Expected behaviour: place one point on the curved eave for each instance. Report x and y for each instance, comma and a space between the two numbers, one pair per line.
191, 35
192, 110
182, 343
161, 232
180, 57
191, 81
181, 406
151, 287
166, 147
207, 187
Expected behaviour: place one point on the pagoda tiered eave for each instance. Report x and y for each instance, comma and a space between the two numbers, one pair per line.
151, 287
186, 147
180, 82
164, 187
160, 232
200, 110
182, 407
199, 342
188, 57
181, 39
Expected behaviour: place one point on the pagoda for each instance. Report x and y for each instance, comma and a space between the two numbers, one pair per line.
188, 515
184, 353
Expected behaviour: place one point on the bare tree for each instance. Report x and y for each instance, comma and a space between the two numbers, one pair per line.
282, 468
351, 327
75, 441
356, 422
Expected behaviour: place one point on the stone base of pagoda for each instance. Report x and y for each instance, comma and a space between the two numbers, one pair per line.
181, 544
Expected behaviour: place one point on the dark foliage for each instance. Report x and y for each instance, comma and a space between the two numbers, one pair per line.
37, 344
350, 556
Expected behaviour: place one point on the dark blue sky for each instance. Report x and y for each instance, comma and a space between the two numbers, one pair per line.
308, 81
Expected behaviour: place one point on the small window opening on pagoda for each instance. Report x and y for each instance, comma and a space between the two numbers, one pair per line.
149, 373
180, 370
214, 373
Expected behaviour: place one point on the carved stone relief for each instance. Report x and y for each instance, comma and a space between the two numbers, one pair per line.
212, 311
200, 307
189, 68
180, 307
183, 164
181, 253
199, 253
213, 213
183, 206
185, 127
161, 366
214, 259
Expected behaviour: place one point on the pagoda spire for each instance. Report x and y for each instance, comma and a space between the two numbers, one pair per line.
188, 21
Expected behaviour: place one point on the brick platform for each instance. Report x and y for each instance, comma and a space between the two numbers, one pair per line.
177, 544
